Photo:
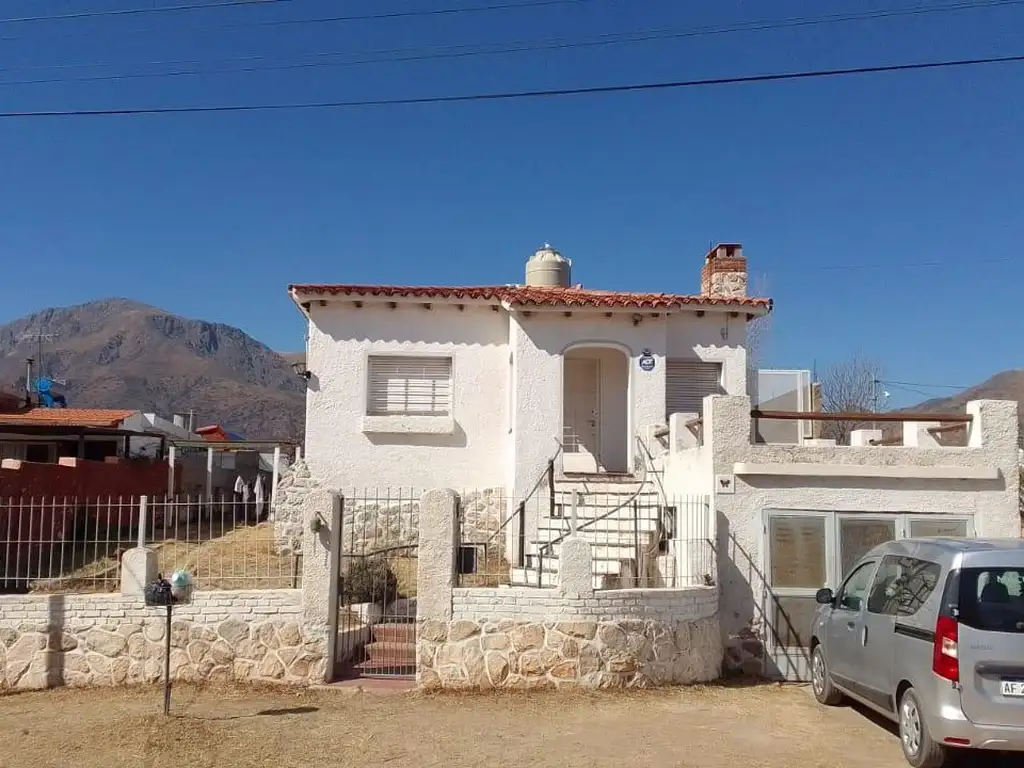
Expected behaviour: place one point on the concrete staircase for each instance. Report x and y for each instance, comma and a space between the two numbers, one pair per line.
619, 515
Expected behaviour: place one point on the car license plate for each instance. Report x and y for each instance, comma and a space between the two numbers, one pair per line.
1013, 688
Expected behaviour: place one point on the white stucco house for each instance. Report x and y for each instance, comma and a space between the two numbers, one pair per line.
433, 386
632, 406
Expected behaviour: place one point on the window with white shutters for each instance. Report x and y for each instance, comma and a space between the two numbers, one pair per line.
688, 382
400, 385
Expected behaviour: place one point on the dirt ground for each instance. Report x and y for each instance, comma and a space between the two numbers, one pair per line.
710, 727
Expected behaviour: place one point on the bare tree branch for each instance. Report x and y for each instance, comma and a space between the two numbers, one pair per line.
758, 332
849, 387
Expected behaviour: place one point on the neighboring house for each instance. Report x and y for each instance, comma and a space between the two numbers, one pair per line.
476, 386
47, 434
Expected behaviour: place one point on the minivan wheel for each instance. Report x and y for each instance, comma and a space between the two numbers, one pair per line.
821, 680
919, 748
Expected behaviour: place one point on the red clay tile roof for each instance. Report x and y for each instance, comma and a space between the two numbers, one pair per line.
66, 417
527, 295
214, 433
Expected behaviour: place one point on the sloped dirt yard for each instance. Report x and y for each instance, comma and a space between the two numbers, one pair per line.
716, 727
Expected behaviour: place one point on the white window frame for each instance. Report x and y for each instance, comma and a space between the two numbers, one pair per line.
791, 662
400, 422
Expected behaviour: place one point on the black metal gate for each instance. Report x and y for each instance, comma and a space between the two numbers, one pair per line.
374, 556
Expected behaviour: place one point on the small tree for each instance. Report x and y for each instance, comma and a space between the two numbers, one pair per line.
370, 580
758, 335
849, 387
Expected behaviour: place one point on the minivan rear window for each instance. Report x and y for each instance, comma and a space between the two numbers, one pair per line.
992, 599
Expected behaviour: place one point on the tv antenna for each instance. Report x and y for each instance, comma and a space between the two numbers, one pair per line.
39, 337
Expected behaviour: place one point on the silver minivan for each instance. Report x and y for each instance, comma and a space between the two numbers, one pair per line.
930, 634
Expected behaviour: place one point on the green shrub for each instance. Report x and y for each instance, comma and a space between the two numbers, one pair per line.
370, 580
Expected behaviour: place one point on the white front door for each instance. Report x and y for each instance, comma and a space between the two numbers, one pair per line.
581, 417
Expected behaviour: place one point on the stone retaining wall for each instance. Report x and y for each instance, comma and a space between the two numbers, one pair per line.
534, 638
51, 640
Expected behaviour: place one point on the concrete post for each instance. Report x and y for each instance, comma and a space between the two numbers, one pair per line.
317, 568
274, 477
138, 565
172, 455
916, 434
209, 474
436, 559
862, 437
575, 569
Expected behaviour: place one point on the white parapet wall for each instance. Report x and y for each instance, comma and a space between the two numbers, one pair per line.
103, 639
978, 482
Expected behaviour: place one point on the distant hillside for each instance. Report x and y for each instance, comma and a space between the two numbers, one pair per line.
1008, 385
117, 353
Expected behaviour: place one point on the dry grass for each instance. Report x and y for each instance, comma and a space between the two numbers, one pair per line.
492, 571
240, 558
405, 569
240, 727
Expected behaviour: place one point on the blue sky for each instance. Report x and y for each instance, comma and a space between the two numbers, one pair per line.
882, 212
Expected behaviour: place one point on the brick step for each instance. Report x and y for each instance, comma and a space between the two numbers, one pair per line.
394, 654
386, 668
395, 633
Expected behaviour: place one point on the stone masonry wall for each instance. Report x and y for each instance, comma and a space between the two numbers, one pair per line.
532, 638
293, 489
379, 518
51, 640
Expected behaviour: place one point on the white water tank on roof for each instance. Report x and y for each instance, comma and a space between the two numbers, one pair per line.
548, 268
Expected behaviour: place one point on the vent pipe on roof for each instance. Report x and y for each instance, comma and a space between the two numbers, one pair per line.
547, 268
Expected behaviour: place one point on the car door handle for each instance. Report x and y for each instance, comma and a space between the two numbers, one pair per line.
851, 626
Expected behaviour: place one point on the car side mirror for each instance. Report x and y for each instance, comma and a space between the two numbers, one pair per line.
824, 596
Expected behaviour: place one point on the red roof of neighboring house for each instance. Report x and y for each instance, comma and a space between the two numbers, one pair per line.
66, 417
529, 295
214, 433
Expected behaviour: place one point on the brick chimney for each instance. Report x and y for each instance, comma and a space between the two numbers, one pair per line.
724, 274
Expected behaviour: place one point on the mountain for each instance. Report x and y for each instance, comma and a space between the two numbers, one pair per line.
117, 353
1008, 385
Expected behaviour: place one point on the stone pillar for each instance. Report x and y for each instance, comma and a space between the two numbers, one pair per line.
138, 568
436, 555
575, 569
317, 568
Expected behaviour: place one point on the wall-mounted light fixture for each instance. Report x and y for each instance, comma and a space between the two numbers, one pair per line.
299, 366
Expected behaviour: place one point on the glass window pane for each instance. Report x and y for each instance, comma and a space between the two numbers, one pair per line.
853, 592
797, 551
858, 537
992, 599
792, 618
903, 585
922, 528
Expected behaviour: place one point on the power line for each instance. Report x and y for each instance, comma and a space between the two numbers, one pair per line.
911, 264
919, 384
276, 22
471, 50
881, 13
143, 11
512, 95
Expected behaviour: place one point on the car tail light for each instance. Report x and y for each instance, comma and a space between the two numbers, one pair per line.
945, 661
